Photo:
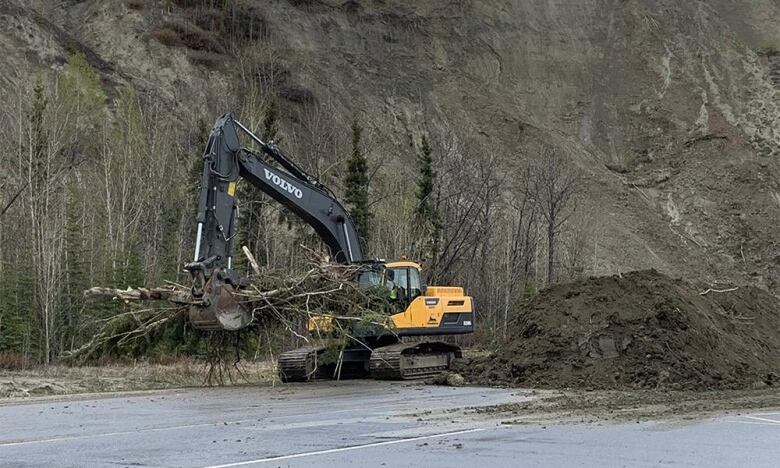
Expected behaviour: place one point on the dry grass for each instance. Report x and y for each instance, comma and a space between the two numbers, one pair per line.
167, 36
179, 33
210, 60
62, 380
136, 4
188, 3
15, 361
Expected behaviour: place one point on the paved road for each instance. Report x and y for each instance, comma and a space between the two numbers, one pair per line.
354, 424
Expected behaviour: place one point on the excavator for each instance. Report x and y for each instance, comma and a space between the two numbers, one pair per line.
403, 349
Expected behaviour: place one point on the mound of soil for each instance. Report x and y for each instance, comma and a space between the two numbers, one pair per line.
641, 330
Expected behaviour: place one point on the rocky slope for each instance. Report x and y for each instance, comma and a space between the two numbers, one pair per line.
669, 108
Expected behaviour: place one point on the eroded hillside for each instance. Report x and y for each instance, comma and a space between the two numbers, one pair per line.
670, 109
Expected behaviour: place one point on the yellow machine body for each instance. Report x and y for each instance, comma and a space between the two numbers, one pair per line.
432, 310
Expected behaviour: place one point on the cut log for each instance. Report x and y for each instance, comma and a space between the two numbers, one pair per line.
252, 261
138, 294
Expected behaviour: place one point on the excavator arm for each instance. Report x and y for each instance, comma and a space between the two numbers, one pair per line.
225, 162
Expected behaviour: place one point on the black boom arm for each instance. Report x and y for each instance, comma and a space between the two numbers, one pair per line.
225, 162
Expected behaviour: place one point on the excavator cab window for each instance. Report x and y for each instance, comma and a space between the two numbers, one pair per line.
415, 285
404, 283
397, 281
370, 278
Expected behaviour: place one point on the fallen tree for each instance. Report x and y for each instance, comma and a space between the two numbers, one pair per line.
276, 300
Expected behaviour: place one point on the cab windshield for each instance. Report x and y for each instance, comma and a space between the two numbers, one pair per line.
405, 281
370, 278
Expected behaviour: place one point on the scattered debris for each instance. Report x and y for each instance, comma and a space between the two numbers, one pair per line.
451, 379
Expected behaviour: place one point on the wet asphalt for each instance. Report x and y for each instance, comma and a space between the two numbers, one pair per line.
356, 424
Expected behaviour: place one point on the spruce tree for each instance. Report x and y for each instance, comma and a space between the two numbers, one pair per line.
16, 329
39, 174
425, 185
271, 120
427, 209
76, 269
356, 182
40, 137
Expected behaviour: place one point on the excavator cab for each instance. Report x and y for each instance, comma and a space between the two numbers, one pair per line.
401, 279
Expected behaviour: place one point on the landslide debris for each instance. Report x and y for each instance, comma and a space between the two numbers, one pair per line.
639, 330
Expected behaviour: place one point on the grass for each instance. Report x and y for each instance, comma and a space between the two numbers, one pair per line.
64, 380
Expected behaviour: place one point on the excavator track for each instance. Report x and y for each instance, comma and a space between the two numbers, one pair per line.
406, 361
301, 365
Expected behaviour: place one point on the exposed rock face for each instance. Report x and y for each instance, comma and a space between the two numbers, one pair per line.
671, 109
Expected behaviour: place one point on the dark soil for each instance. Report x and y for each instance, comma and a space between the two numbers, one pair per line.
641, 330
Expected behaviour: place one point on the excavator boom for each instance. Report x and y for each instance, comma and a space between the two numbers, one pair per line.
225, 163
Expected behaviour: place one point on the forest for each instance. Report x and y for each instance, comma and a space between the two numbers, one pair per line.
98, 189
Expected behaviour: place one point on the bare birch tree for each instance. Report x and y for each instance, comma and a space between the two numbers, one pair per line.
45, 171
555, 185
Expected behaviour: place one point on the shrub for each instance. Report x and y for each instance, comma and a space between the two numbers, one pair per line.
15, 361
208, 59
136, 4
188, 35
297, 95
244, 22
189, 3
167, 36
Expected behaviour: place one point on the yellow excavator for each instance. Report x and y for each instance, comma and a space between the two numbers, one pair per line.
403, 350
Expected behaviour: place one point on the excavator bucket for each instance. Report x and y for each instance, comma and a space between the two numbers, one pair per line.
218, 308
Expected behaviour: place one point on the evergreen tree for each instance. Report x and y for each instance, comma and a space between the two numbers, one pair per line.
81, 100
40, 136
76, 274
16, 312
427, 210
40, 176
356, 182
271, 120
425, 207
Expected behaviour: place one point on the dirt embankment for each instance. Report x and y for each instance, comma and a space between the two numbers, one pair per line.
641, 330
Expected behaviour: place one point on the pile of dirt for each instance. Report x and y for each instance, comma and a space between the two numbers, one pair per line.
639, 330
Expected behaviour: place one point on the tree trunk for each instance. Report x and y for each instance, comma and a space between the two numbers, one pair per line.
550, 253
47, 331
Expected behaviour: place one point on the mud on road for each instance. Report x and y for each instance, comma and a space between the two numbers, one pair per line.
605, 407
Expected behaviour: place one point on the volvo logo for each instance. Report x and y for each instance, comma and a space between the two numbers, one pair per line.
283, 184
